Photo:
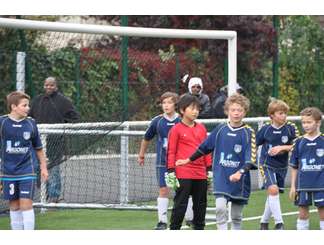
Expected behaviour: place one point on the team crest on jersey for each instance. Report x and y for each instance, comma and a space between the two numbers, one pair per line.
320, 152
284, 139
26, 135
237, 148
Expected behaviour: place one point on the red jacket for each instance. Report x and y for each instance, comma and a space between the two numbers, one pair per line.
183, 141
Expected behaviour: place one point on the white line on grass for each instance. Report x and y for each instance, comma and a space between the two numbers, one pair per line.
255, 218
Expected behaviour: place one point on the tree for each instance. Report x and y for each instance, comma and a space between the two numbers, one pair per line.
301, 56
255, 49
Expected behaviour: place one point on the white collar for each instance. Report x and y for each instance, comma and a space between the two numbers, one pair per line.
234, 129
13, 119
313, 138
272, 125
175, 115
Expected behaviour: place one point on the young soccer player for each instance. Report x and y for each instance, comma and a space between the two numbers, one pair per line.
191, 179
20, 144
276, 139
160, 127
233, 147
307, 165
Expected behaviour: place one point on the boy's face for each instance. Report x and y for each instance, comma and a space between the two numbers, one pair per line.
236, 113
279, 117
22, 109
309, 124
168, 105
191, 112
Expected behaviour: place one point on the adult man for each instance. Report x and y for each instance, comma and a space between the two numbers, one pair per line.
53, 107
218, 101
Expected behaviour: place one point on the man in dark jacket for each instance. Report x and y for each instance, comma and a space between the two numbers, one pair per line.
53, 107
218, 101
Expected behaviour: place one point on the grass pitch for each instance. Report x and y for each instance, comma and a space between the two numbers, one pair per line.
85, 219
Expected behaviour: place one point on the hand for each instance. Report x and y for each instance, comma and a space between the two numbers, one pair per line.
44, 174
275, 150
235, 177
140, 160
171, 180
292, 193
209, 177
182, 162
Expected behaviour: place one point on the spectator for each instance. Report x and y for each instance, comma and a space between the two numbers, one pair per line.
53, 107
195, 87
218, 101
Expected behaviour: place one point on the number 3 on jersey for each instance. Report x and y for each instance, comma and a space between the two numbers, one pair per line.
11, 189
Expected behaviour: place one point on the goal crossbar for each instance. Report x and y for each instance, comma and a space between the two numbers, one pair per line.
230, 36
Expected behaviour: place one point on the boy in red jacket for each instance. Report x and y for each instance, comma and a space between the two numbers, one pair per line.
191, 179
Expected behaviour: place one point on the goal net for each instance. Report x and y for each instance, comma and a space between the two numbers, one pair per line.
100, 170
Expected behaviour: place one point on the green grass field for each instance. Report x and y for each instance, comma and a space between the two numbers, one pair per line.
82, 219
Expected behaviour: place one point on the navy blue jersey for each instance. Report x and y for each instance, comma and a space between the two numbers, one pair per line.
269, 136
308, 157
232, 148
19, 139
160, 127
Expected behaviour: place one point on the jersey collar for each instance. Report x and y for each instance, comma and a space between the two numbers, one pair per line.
175, 116
235, 129
277, 128
313, 138
15, 120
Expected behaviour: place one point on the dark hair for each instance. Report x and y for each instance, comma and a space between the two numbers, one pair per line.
187, 100
14, 98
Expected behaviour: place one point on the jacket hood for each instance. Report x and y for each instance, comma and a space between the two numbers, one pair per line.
195, 81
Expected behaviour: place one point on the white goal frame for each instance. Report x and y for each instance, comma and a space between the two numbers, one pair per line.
230, 36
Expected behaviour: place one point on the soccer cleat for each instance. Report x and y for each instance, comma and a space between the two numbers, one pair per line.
279, 226
264, 226
189, 223
161, 226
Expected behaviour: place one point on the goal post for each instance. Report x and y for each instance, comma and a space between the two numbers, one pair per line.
230, 36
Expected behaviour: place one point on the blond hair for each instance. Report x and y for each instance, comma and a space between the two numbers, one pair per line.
174, 97
237, 99
14, 98
277, 105
313, 112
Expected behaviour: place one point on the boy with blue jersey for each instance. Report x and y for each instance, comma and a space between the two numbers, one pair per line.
234, 153
276, 139
307, 165
20, 144
160, 126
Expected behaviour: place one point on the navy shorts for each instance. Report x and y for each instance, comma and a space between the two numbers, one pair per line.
306, 198
160, 173
17, 189
274, 176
